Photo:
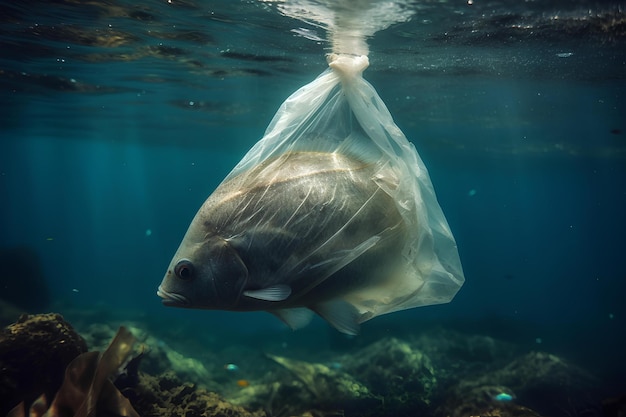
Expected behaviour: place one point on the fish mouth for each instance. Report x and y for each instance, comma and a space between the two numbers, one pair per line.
172, 299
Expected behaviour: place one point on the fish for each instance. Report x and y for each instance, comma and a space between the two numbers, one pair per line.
504, 397
300, 233
243, 383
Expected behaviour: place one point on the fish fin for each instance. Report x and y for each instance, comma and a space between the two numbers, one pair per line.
342, 315
274, 293
296, 318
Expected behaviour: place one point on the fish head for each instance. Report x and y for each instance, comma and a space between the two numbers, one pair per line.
207, 274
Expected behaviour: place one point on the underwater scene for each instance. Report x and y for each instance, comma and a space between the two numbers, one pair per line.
313, 208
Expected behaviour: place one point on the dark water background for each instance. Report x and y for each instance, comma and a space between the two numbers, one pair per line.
118, 119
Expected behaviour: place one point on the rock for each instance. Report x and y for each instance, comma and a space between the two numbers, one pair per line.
392, 369
316, 386
534, 384
167, 396
470, 399
548, 384
34, 353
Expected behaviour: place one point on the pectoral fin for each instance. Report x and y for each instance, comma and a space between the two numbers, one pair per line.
274, 293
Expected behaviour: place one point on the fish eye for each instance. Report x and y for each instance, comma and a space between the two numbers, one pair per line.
184, 269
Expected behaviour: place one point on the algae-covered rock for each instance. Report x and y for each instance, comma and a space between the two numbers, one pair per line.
299, 387
467, 398
534, 384
34, 353
548, 383
401, 374
287, 397
324, 383
166, 395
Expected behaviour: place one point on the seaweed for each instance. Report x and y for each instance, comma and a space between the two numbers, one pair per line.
87, 389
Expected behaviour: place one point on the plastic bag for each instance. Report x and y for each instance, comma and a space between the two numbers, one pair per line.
332, 211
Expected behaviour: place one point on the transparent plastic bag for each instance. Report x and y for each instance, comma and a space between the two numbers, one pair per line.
332, 211
341, 112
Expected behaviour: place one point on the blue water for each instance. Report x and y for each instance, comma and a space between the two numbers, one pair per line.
105, 156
